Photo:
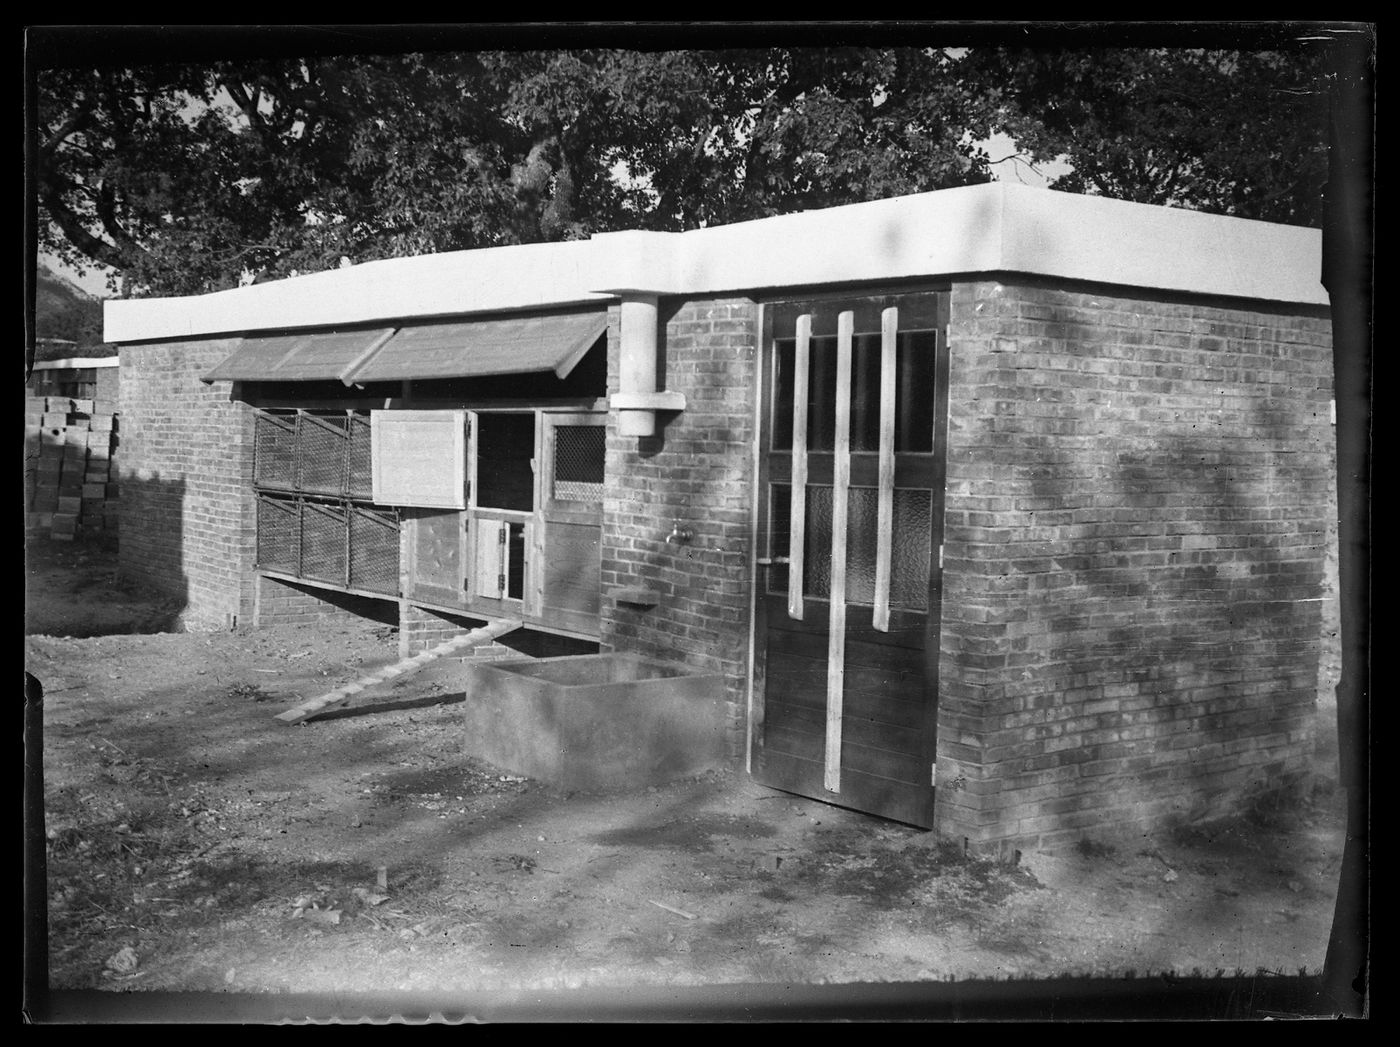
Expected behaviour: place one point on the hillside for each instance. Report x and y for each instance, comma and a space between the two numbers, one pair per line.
67, 320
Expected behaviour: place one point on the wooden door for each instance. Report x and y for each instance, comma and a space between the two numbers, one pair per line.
437, 556
504, 493
569, 525
851, 485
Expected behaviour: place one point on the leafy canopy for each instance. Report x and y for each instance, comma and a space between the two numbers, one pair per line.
185, 179
1231, 132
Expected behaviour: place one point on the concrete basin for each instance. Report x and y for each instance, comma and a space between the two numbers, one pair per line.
595, 721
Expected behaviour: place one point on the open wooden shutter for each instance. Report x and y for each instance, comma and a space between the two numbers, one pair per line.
419, 458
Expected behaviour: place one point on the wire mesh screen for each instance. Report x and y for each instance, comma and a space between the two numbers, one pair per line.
578, 463
323, 533
360, 484
279, 535
275, 449
322, 453
374, 550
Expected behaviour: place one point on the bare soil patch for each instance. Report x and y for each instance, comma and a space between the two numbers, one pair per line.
195, 843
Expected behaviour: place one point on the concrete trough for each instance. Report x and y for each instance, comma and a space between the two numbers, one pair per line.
595, 722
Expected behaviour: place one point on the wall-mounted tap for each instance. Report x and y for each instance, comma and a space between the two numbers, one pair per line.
679, 535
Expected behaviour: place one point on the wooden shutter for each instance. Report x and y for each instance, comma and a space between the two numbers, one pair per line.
419, 458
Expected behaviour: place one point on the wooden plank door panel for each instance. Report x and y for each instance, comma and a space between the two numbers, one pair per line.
492, 553
437, 560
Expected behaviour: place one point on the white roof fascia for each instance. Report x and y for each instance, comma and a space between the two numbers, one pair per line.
1096, 239
74, 363
992, 228
527, 276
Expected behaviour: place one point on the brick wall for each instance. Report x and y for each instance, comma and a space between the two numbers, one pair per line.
421, 628
1137, 504
187, 511
696, 473
280, 602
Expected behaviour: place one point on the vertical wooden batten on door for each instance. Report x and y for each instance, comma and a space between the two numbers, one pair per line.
840, 490
797, 527
889, 340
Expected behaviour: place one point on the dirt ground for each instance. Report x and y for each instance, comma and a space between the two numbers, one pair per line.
196, 843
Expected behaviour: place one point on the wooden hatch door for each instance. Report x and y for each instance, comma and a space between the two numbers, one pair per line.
419, 464
502, 524
849, 584
569, 529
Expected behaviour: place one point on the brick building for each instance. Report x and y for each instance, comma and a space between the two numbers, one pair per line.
999, 510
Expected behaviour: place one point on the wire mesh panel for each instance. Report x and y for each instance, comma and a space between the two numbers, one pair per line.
322, 444
323, 534
279, 534
578, 463
328, 537
274, 449
374, 550
359, 480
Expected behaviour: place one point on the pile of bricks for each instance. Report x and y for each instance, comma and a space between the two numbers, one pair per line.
70, 484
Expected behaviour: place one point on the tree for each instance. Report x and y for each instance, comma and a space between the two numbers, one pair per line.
1228, 131
190, 179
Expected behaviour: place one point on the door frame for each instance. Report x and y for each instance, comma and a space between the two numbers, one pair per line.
528, 604
554, 516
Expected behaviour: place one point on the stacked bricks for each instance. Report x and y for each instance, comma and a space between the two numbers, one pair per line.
697, 475
188, 511
70, 443
1137, 507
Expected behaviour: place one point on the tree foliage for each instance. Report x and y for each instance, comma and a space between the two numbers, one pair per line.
1227, 131
189, 179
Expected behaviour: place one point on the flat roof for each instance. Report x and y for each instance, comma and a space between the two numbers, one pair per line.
993, 228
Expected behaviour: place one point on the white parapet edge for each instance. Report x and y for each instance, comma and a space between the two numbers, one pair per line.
992, 228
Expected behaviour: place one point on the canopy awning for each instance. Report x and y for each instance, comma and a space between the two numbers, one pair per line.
299, 356
474, 349
461, 349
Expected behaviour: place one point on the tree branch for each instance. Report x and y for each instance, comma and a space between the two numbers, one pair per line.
78, 121
248, 249
76, 233
106, 204
249, 107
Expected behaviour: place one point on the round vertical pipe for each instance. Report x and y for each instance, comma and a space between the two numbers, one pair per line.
637, 361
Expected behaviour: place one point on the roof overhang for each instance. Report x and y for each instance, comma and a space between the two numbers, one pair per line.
299, 357
993, 228
463, 349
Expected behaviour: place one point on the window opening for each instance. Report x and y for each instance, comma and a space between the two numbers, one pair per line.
515, 563
913, 520
914, 357
505, 446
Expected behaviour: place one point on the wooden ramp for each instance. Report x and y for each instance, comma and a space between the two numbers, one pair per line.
489, 631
